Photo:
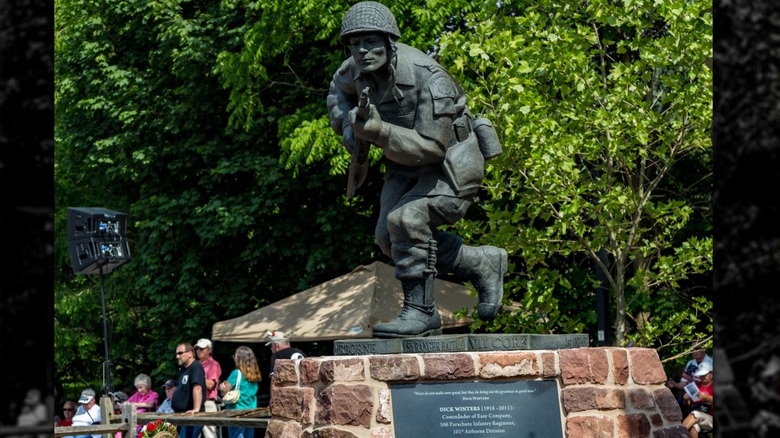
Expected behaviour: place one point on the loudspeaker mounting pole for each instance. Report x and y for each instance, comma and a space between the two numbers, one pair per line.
108, 386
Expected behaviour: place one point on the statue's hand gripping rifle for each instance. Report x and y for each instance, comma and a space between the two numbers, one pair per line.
358, 166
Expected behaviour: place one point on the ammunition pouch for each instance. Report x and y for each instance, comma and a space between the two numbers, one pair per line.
463, 162
487, 137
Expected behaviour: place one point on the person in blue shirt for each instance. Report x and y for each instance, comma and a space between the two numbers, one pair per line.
165, 407
245, 378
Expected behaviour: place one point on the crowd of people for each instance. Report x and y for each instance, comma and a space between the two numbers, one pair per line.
695, 393
199, 387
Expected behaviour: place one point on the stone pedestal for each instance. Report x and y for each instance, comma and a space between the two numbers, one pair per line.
603, 392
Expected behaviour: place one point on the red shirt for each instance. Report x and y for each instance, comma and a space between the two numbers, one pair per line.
707, 389
213, 372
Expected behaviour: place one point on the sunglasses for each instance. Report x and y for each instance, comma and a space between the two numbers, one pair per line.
179, 353
68, 409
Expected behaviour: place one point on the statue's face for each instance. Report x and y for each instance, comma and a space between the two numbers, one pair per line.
369, 50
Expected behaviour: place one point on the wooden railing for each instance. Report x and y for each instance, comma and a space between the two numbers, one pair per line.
126, 422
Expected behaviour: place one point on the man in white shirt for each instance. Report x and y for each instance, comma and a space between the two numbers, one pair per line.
699, 357
88, 412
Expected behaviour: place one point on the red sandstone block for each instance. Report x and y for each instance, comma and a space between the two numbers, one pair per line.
342, 370
585, 398
282, 429
509, 364
393, 368
672, 432
641, 399
667, 404
292, 403
329, 432
285, 372
646, 368
633, 426
383, 414
382, 432
584, 365
346, 405
448, 366
590, 426
549, 369
310, 370
620, 366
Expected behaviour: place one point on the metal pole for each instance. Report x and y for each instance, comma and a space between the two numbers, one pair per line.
602, 301
107, 364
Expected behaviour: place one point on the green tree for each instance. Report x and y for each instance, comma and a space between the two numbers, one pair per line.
604, 111
205, 122
217, 226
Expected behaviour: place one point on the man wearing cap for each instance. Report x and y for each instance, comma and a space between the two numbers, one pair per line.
190, 390
399, 99
213, 372
165, 407
88, 412
700, 417
699, 356
281, 349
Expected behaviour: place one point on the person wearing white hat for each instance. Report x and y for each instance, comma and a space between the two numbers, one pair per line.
700, 356
213, 372
88, 412
700, 417
281, 349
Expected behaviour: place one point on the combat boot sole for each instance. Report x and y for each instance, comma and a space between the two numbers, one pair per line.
409, 323
392, 335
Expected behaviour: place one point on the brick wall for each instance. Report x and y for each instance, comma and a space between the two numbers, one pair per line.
604, 392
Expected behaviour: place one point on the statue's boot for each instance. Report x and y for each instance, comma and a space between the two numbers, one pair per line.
418, 317
484, 267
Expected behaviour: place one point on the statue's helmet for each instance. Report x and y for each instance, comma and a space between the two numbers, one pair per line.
369, 17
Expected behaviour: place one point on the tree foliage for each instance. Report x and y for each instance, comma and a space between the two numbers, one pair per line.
604, 110
145, 124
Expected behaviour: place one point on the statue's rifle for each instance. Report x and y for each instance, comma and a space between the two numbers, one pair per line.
358, 165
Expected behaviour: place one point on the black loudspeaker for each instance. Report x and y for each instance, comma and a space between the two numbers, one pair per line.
96, 240
95, 222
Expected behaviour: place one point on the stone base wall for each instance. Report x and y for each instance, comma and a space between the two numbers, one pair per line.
603, 392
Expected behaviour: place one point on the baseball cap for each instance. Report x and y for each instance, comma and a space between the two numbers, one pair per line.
704, 369
203, 343
275, 336
170, 383
87, 395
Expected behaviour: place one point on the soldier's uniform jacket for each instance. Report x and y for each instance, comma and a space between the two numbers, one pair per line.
425, 120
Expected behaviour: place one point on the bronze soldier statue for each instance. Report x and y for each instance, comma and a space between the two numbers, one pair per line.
417, 115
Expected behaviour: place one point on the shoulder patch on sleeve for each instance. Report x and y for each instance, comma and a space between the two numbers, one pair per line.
442, 87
